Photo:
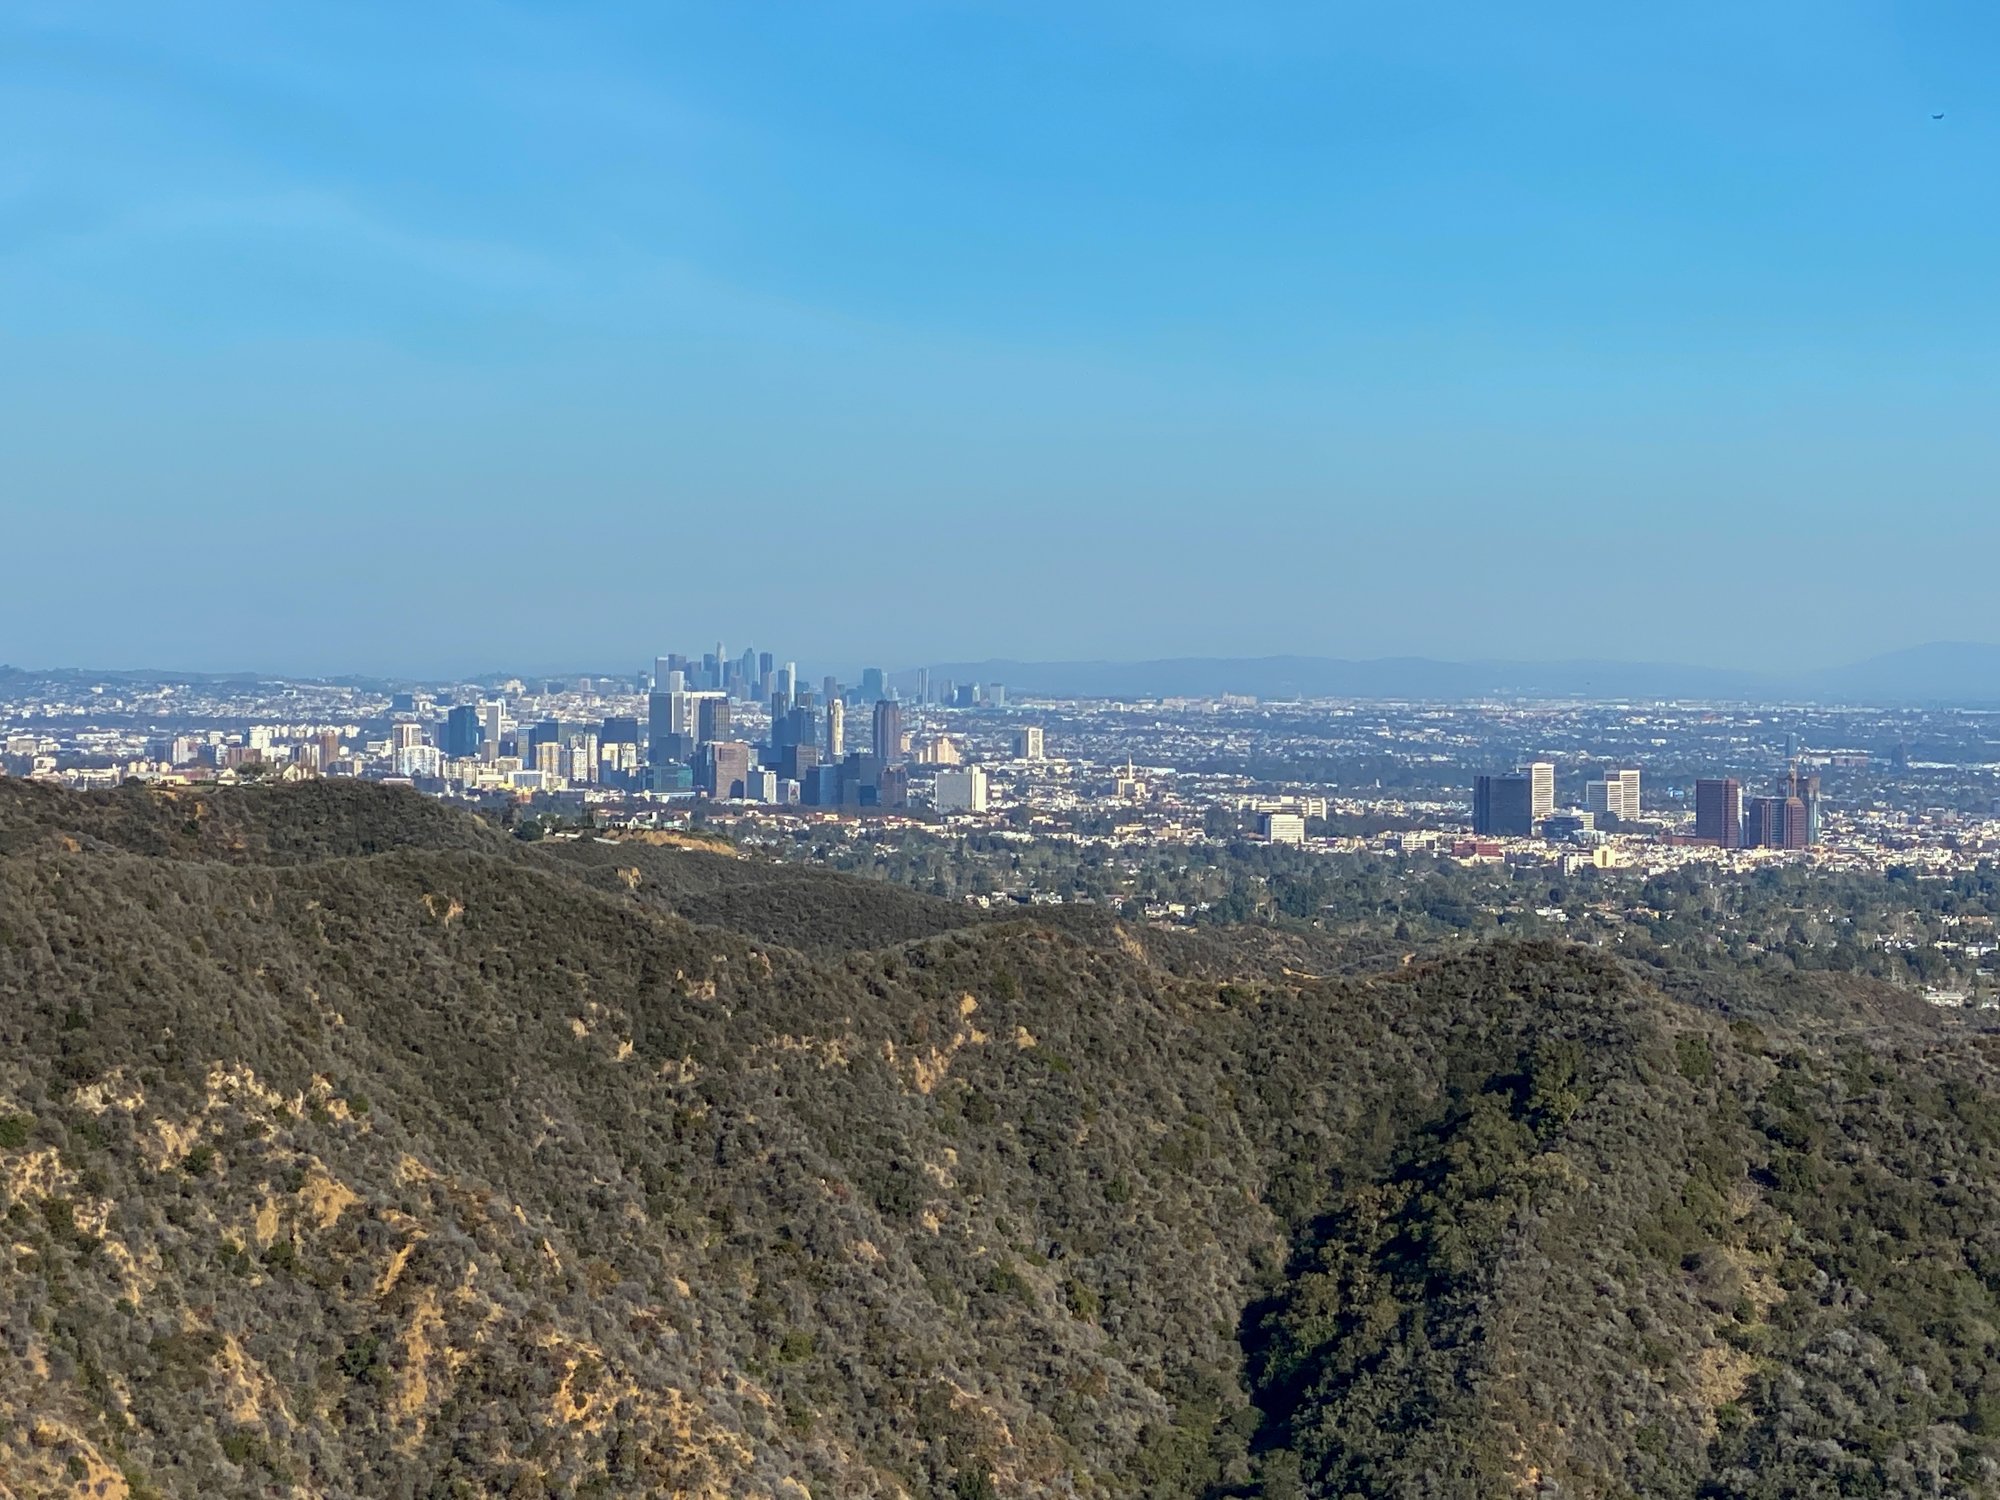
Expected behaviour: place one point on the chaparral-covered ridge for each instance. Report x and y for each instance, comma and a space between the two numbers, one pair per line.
350, 1147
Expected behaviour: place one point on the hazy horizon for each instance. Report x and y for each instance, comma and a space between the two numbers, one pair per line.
847, 669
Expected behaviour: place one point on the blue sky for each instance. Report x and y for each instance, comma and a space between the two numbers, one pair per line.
449, 337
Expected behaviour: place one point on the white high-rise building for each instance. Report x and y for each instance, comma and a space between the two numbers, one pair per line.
1282, 828
1028, 743
836, 730
962, 790
1617, 795
1541, 789
417, 760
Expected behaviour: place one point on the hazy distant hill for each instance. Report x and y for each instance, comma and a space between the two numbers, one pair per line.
1945, 672
349, 1149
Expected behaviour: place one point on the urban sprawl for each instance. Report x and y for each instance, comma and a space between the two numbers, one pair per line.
749, 746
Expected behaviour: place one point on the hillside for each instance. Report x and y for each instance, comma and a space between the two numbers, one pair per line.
311, 820
350, 1149
794, 905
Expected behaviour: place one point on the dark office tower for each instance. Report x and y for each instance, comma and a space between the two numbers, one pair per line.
888, 732
860, 781
1796, 832
1764, 823
747, 679
548, 732
620, 729
402, 703
711, 720
1718, 811
725, 767
923, 684
711, 671
802, 723
461, 732
892, 788
874, 686
791, 727
788, 681
659, 727
820, 787
1806, 788
1503, 806
766, 665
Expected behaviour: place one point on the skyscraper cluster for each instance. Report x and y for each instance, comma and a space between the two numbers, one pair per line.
1518, 804
1614, 797
830, 746
1787, 820
693, 744
1514, 804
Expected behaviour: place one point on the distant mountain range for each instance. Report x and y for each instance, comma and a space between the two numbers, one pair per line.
1959, 672
1945, 672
